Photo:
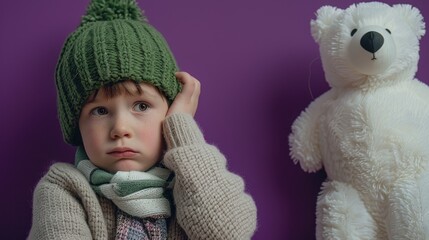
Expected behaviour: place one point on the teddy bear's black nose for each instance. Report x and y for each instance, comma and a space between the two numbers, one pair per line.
372, 41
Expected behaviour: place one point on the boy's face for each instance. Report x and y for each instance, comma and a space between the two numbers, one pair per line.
124, 132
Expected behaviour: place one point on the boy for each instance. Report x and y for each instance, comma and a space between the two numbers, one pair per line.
122, 102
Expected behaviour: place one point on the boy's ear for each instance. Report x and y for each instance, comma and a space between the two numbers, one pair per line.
412, 17
325, 16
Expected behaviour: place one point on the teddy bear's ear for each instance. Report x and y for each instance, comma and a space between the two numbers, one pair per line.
324, 18
412, 17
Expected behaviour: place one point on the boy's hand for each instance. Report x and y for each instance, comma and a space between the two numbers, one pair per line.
187, 100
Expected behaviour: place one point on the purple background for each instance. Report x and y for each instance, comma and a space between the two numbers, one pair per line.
257, 64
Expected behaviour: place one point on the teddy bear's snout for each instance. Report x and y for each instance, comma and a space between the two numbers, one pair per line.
371, 49
372, 41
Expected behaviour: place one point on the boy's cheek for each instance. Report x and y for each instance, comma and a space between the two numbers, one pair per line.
152, 139
91, 140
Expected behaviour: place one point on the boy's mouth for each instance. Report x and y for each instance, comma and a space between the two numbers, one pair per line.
122, 152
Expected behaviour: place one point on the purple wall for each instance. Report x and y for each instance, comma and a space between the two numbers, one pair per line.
253, 58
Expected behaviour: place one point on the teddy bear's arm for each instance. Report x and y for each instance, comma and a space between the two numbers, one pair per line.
304, 139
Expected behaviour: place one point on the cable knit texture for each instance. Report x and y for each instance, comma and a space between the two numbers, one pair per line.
210, 202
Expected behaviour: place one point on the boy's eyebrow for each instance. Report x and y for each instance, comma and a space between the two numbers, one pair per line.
91, 99
145, 92
153, 92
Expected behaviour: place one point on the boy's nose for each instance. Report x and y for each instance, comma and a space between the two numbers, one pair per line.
120, 129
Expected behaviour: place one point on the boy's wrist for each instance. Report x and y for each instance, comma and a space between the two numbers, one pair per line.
180, 129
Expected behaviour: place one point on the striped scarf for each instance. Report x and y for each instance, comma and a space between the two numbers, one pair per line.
139, 196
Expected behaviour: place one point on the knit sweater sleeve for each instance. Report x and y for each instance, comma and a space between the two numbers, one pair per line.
60, 204
210, 200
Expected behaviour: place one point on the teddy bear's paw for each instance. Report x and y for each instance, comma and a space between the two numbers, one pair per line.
308, 160
303, 145
308, 164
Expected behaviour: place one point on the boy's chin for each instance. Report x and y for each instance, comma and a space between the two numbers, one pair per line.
129, 165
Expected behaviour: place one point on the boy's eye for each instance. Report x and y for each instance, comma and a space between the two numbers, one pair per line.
140, 107
99, 111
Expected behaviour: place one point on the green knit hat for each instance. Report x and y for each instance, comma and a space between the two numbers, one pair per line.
114, 42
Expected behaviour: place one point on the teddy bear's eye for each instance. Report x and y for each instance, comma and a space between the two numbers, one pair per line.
388, 31
353, 32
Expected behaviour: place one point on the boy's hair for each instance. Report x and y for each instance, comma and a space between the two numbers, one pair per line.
114, 89
113, 42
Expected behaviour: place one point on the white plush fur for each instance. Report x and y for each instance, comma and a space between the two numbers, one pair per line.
370, 131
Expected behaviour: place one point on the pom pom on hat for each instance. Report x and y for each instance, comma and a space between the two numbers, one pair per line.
106, 10
114, 42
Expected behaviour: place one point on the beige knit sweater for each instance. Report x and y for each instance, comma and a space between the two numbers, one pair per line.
210, 201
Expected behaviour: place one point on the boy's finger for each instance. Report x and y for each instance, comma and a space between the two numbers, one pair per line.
183, 77
190, 85
197, 90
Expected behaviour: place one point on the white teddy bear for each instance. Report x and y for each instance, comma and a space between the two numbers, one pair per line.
370, 131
